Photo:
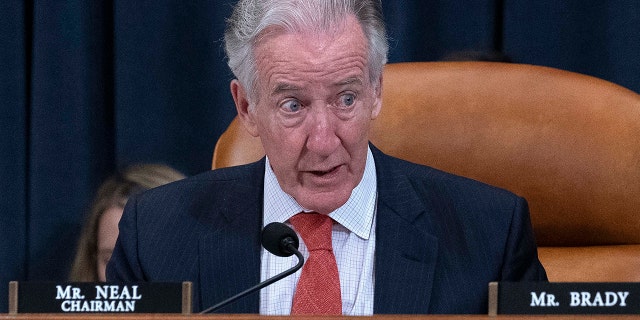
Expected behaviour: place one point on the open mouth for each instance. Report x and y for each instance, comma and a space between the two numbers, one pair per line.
322, 173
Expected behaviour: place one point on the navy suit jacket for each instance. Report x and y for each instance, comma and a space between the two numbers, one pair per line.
440, 238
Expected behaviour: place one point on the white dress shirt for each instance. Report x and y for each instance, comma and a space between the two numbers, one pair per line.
353, 238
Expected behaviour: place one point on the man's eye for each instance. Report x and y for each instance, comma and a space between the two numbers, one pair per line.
347, 99
292, 106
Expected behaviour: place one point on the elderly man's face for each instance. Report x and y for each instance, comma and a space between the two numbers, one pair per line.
313, 112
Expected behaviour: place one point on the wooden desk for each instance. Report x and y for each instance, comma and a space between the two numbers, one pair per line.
43, 316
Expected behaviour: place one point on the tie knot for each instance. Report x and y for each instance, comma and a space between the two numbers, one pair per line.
315, 230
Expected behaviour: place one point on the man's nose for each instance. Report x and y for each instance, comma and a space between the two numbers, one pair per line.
323, 139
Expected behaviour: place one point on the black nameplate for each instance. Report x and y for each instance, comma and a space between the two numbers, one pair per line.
90, 297
564, 298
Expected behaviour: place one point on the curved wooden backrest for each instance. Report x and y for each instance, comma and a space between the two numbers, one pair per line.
567, 142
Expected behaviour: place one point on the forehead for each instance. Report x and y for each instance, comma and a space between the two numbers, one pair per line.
313, 56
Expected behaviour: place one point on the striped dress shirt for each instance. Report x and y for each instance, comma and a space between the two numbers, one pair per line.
353, 238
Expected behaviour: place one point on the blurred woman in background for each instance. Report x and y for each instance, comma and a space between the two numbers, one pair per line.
100, 231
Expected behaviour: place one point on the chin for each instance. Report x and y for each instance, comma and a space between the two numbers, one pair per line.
324, 203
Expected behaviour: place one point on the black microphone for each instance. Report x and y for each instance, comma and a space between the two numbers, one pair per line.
280, 240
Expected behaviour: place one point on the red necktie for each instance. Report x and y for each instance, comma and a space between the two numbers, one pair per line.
318, 290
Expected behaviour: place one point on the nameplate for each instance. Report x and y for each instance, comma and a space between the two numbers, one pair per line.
98, 297
564, 298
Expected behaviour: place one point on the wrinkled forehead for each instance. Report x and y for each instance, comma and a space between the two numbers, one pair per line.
285, 53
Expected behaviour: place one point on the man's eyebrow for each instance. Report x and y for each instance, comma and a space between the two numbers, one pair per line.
348, 81
284, 87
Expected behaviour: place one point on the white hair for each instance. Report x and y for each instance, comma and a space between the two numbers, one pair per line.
251, 18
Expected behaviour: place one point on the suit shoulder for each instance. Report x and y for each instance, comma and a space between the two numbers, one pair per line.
213, 184
422, 176
440, 175
231, 173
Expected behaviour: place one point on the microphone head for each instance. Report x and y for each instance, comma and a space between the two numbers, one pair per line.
276, 237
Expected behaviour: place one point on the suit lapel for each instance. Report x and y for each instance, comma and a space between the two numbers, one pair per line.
405, 254
230, 250
405, 257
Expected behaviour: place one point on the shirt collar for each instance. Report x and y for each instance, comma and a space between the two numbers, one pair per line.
356, 214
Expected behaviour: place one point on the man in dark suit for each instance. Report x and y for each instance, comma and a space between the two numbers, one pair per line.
404, 238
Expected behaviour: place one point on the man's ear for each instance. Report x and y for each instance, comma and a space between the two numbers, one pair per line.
377, 103
241, 100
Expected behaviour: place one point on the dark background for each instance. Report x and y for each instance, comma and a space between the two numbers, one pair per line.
90, 86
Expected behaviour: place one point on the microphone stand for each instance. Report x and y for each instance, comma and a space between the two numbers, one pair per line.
261, 285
